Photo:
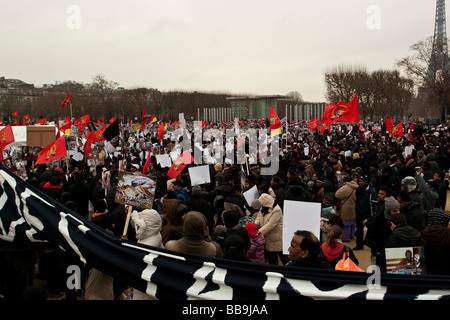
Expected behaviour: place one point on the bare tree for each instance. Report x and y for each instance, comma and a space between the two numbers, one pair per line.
431, 75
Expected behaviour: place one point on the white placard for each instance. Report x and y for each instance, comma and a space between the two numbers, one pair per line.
251, 195
163, 160
299, 215
199, 175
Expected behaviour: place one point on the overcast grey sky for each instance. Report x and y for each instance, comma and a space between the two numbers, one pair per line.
246, 46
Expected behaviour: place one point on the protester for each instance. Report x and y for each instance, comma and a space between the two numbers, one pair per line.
270, 224
333, 249
346, 195
256, 251
304, 251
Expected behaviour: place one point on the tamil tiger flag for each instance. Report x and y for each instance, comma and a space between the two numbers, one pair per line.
15, 114
6, 137
146, 167
275, 123
66, 101
67, 124
153, 119
26, 117
83, 121
341, 112
53, 151
182, 161
398, 130
313, 124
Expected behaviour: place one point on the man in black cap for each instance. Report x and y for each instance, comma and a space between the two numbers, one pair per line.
366, 207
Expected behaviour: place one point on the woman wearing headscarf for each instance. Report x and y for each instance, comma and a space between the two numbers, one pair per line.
195, 238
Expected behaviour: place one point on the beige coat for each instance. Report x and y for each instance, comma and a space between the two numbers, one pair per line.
271, 224
348, 190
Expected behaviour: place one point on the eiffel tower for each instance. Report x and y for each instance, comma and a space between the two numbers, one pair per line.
439, 54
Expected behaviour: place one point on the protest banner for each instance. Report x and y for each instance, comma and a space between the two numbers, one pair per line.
135, 190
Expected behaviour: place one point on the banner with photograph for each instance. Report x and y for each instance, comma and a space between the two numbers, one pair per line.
135, 189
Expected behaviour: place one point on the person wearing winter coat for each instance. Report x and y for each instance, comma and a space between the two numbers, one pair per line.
437, 242
366, 207
147, 224
172, 213
195, 238
347, 197
333, 249
403, 235
256, 251
270, 224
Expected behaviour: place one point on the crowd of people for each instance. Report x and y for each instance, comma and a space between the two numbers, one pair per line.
373, 188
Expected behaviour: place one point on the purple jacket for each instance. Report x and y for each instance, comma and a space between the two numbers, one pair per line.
256, 251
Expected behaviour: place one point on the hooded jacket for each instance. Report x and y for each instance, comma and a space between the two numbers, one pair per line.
271, 223
194, 238
437, 248
332, 255
148, 227
347, 191
256, 251
404, 236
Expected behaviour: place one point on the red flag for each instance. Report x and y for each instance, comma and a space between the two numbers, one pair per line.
361, 128
66, 101
6, 136
342, 112
160, 132
15, 114
175, 123
398, 130
182, 161
144, 119
26, 117
313, 124
66, 124
147, 164
388, 124
153, 119
53, 151
42, 121
83, 121
274, 120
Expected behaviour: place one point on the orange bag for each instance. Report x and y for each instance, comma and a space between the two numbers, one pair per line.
346, 264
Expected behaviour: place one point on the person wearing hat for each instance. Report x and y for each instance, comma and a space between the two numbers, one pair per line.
270, 224
366, 207
437, 242
375, 175
256, 251
411, 210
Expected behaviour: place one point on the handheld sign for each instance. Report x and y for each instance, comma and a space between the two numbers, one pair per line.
135, 190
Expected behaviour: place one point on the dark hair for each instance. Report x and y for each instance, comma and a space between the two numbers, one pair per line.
236, 187
398, 218
231, 218
387, 189
234, 248
336, 220
404, 196
309, 242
